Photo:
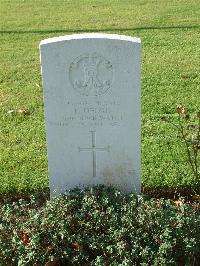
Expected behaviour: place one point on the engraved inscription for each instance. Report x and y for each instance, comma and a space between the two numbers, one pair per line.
91, 74
94, 149
99, 113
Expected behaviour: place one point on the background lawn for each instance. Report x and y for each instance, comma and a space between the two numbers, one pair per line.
170, 36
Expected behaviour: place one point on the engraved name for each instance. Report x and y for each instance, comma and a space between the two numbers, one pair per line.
84, 113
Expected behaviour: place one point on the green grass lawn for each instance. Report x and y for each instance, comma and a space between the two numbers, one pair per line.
170, 35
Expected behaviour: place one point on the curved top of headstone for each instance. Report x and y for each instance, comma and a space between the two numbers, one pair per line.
91, 36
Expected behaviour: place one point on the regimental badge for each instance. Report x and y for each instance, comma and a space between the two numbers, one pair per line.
91, 74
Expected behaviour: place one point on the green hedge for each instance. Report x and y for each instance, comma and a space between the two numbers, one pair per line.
100, 226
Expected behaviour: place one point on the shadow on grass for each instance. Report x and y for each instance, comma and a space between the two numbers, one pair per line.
190, 194
101, 30
41, 196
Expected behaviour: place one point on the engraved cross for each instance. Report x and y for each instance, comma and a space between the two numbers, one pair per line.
94, 150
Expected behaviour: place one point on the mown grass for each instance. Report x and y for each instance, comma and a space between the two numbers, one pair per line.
170, 34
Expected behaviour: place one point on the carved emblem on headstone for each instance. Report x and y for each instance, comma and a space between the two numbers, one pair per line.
91, 74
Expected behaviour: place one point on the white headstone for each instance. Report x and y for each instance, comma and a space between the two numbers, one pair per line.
91, 88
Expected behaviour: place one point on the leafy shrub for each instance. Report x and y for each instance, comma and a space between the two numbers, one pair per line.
188, 132
100, 226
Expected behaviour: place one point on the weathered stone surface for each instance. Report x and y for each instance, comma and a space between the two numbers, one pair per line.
91, 88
